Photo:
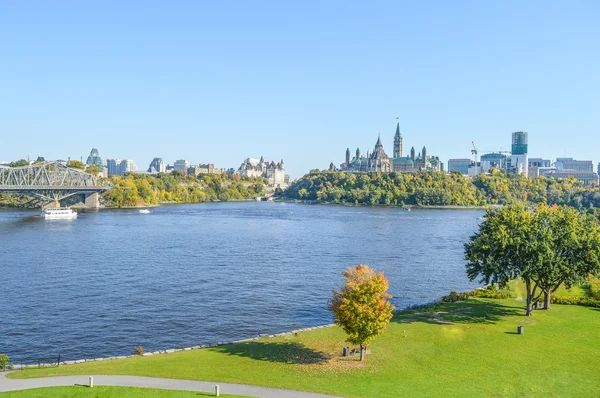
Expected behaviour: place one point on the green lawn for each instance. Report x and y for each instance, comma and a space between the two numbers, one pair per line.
101, 392
468, 348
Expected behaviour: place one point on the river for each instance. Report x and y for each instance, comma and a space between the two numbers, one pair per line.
185, 275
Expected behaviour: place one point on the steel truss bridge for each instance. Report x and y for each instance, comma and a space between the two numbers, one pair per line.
51, 182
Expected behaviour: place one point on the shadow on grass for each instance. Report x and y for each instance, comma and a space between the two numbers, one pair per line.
469, 311
283, 352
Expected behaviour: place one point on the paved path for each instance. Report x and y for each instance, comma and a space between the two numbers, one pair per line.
151, 382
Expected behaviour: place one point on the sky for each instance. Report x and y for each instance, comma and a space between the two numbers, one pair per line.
220, 81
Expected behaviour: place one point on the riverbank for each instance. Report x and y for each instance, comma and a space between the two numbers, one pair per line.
411, 207
439, 350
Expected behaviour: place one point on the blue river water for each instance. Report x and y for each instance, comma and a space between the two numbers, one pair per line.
185, 275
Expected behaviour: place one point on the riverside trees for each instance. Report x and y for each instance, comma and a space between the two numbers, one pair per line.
361, 307
546, 247
430, 188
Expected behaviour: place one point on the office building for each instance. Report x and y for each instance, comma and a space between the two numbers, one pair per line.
459, 165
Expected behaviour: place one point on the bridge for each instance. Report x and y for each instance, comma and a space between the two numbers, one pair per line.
51, 182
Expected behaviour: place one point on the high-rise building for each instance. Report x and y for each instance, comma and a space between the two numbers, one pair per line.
157, 166
127, 166
113, 166
120, 167
519, 162
459, 165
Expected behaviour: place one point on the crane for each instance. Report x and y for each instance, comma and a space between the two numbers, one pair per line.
474, 152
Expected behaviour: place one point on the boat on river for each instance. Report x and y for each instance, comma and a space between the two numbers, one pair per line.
59, 214
144, 211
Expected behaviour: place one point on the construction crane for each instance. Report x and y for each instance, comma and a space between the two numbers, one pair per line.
474, 152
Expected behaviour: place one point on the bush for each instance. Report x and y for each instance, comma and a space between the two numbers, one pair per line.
455, 296
5, 362
575, 300
490, 291
139, 350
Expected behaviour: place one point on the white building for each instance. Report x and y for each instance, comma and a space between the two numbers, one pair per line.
253, 168
182, 165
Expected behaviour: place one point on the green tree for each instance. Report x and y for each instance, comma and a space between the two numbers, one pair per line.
76, 164
567, 245
500, 251
19, 163
361, 307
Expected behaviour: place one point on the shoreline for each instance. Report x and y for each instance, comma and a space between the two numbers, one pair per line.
167, 351
312, 203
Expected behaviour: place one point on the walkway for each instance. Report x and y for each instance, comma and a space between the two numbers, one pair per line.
151, 382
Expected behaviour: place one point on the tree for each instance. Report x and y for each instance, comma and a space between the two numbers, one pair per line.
500, 250
545, 248
567, 244
92, 169
19, 163
76, 164
361, 306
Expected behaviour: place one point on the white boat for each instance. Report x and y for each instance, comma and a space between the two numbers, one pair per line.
145, 211
59, 214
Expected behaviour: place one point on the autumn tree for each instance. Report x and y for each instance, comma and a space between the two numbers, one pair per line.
361, 307
92, 169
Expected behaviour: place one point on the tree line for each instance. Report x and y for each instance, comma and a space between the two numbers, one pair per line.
440, 189
139, 189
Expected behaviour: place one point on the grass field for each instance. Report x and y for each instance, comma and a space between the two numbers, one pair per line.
102, 392
468, 348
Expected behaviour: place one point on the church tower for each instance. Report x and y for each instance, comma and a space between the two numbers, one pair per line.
398, 142
412, 153
348, 156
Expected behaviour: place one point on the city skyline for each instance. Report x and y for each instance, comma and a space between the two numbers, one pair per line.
218, 83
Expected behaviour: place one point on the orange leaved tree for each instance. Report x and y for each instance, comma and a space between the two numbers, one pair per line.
361, 307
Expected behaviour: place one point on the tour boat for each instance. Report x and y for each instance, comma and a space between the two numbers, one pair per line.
59, 214
145, 211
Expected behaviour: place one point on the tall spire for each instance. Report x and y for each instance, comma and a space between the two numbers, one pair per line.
398, 142
379, 144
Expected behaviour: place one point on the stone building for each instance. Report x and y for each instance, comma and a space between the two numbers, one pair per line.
254, 168
379, 160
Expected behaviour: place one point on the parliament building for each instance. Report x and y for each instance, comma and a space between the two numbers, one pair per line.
378, 160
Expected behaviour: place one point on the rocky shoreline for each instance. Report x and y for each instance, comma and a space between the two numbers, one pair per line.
169, 351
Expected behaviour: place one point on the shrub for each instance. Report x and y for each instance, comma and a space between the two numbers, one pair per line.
4, 362
455, 296
139, 350
575, 300
490, 291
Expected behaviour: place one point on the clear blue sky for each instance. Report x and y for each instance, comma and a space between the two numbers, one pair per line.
221, 81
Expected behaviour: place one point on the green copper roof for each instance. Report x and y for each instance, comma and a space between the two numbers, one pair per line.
402, 160
398, 130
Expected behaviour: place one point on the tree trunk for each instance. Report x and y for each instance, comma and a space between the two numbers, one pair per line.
547, 299
362, 352
529, 297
